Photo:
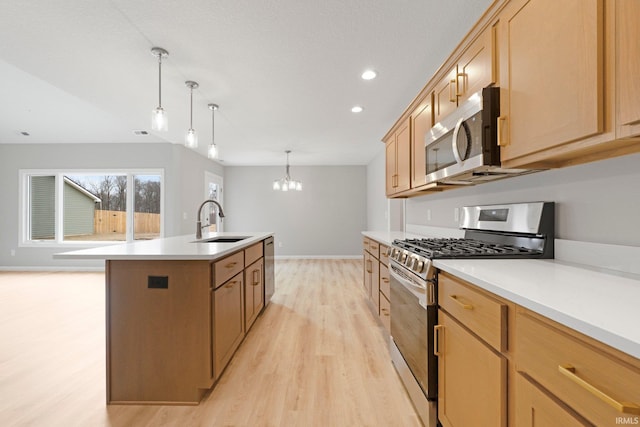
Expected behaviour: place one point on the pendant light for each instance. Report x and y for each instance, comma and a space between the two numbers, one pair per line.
286, 183
159, 120
191, 137
212, 153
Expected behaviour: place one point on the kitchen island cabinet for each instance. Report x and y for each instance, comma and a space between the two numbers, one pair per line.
176, 313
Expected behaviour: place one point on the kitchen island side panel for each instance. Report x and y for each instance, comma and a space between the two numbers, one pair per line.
158, 331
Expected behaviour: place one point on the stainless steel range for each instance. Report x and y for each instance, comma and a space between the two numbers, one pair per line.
522, 230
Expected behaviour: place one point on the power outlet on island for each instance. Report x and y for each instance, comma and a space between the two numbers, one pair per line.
456, 214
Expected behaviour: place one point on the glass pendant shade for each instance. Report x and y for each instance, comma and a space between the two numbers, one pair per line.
159, 120
191, 138
286, 183
212, 153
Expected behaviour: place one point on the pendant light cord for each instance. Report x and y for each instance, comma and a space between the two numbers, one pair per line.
191, 112
160, 81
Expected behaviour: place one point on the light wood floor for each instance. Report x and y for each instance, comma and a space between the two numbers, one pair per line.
315, 357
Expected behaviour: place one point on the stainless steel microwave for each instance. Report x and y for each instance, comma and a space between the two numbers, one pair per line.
462, 148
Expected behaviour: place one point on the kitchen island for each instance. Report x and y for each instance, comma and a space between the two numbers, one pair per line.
177, 309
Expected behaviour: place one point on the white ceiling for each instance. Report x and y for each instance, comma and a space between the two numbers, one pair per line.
284, 72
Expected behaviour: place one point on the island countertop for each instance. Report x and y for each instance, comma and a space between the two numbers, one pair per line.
185, 247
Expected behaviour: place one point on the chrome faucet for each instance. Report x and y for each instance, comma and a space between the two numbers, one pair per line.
199, 222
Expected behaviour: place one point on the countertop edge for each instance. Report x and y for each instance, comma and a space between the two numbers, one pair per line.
178, 248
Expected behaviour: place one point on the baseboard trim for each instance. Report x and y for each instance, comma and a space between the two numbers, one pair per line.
318, 257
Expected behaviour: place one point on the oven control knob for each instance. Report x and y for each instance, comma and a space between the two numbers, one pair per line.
403, 257
409, 262
418, 266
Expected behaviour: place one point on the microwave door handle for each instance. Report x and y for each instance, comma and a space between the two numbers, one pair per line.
454, 141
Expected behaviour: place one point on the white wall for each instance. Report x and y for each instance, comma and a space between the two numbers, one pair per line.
595, 202
183, 180
325, 219
377, 205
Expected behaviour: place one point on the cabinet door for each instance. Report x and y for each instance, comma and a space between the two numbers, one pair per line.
403, 153
536, 408
472, 378
253, 292
391, 165
628, 61
228, 322
421, 122
368, 272
475, 66
551, 74
445, 99
374, 293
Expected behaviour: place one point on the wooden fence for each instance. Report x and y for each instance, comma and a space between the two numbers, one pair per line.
108, 222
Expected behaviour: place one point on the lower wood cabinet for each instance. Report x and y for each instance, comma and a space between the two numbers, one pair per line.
537, 408
228, 321
376, 279
253, 292
472, 378
173, 326
597, 382
501, 364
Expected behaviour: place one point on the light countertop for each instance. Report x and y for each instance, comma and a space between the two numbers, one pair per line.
170, 248
602, 304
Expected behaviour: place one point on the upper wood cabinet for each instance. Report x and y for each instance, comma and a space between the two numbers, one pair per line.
551, 63
445, 100
398, 157
627, 67
421, 122
473, 71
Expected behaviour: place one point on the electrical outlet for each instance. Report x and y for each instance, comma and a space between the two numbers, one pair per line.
279, 244
184, 215
13, 252
428, 214
456, 214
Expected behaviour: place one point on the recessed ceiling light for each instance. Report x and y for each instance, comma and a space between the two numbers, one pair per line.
357, 109
140, 132
24, 133
369, 75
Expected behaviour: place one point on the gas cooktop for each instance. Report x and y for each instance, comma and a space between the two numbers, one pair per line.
520, 230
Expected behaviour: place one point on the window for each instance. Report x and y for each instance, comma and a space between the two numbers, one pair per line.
91, 206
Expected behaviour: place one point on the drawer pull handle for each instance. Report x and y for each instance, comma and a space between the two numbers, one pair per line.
384, 311
463, 305
436, 339
231, 265
625, 407
502, 140
385, 279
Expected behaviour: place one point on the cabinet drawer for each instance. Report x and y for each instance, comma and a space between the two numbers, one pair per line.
365, 244
485, 316
384, 281
374, 248
385, 312
228, 267
586, 375
252, 254
384, 256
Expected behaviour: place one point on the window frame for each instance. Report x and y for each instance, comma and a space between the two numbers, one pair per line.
58, 241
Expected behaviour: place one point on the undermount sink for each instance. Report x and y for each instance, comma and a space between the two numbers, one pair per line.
222, 239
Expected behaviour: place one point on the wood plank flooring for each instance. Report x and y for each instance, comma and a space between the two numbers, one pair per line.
315, 357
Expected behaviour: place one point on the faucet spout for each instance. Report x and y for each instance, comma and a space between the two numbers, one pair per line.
198, 220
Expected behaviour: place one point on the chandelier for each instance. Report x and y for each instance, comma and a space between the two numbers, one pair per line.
286, 183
